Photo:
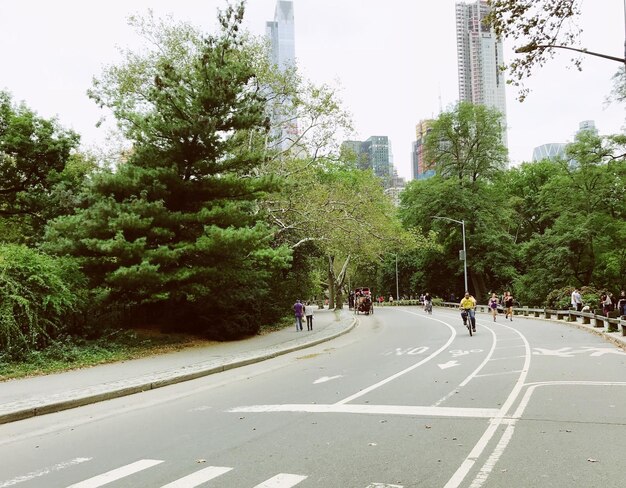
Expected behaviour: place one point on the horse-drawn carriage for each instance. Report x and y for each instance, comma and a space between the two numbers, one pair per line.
363, 301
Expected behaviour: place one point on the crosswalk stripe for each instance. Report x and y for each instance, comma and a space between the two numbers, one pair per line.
116, 474
282, 480
199, 477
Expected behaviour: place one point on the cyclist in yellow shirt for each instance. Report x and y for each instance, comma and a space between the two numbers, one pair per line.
467, 306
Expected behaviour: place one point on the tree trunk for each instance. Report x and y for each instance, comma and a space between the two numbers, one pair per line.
335, 283
331, 282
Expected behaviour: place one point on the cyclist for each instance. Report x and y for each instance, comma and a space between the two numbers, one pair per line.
467, 305
428, 303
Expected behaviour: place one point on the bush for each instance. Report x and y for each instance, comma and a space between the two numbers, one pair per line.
561, 299
38, 294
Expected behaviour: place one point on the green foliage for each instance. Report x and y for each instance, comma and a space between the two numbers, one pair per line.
34, 155
177, 232
466, 143
38, 295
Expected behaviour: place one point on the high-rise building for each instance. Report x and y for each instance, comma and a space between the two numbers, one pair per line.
420, 168
281, 32
480, 57
375, 154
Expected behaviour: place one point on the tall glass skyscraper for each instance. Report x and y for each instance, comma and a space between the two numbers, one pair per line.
281, 33
481, 81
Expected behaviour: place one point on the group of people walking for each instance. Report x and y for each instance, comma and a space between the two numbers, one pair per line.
468, 307
607, 302
303, 310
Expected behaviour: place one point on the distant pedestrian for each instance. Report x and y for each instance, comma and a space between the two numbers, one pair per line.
493, 305
298, 309
576, 300
390, 298
606, 303
308, 311
621, 303
508, 305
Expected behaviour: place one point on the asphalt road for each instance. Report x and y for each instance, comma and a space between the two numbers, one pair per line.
405, 400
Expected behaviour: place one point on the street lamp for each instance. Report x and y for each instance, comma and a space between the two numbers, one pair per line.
532, 47
462, 222
397, 288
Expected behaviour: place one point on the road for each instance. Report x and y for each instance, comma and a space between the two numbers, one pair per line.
405, 400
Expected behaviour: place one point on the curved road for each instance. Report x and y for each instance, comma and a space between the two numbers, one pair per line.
405, 400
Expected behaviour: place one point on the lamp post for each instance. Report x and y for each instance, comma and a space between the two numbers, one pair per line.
532, 47
397, 287
462, 222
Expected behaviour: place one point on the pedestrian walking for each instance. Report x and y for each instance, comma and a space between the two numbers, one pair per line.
308, 312
606, 303
576, 300
493, 305
298, 310
508, 305
621, 303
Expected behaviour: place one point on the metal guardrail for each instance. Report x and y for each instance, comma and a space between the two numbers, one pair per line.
600, 321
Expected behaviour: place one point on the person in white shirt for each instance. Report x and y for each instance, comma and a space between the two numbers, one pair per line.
577, 301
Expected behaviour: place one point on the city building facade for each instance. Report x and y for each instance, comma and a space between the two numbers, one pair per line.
420, 168
480, 57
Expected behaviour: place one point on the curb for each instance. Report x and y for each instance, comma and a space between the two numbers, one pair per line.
112, 391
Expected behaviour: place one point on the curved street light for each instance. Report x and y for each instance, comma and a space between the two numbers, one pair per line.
532, 47
462, 222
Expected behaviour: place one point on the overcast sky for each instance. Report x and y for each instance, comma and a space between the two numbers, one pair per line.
395, 61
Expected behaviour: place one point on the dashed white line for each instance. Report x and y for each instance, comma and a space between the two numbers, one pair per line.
282, 480
199, 477
43, 472
116, 474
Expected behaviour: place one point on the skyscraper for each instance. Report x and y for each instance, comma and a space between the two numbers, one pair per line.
281, 32
374, 154
481, 81
421, 168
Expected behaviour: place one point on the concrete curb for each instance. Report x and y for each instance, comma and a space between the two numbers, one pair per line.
109, 391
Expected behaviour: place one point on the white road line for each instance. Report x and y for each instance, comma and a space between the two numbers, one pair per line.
282, 480
43, 472
497, 374
495, 423
383, 485
373, 409
487, 468
199, 477
407, 370
116, 474
473, 373
511, 357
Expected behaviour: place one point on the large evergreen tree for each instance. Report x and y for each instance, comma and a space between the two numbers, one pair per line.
177, 230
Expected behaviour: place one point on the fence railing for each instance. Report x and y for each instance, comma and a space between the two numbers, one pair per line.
609, 324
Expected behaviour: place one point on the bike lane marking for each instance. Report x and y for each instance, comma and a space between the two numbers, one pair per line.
373, 387
494, 424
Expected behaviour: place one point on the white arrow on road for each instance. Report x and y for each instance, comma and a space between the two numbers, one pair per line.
324, 379
449, 364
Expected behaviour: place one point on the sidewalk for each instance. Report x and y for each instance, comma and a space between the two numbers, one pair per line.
20, 399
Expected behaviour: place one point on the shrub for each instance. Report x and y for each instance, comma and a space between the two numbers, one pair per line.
38, 294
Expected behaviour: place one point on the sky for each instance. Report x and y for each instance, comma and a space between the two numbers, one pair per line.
394, 62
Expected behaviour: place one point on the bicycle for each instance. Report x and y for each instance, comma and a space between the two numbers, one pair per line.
468, 320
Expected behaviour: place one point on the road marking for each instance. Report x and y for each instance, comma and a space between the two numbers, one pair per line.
383, 485
116, 474
497, 374
324, 379
568, 352
494, 424
475, 372
372, 409
43, 472
199, 477
404, 371
282, 480
449, 364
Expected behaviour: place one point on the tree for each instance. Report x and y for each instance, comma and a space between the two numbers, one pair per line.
466, 143
34, 158
177, 230
538, 28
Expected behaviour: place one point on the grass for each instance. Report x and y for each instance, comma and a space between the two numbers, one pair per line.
76, 354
